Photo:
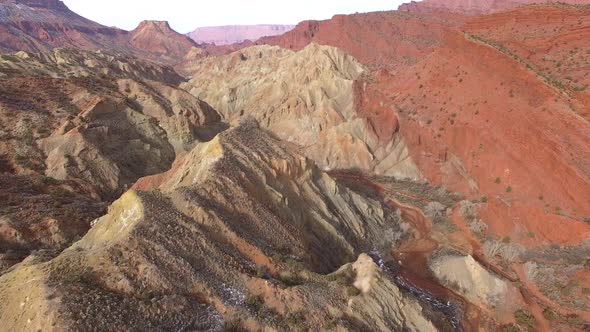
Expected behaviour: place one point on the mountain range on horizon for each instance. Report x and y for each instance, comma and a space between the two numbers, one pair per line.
419, 169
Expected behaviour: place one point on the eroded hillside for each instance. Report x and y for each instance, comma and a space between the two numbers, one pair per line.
308, 98
422, 170
288, 236
77, 129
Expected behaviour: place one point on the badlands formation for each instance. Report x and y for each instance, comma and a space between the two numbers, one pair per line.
426, 169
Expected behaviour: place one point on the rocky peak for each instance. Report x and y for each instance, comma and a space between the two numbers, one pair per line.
159, 26
157, 37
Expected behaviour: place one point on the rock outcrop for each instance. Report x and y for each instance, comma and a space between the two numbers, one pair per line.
109, 146
308, 98
248, 200
467, 277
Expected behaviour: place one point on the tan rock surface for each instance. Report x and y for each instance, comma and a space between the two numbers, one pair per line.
466, 276
307, 98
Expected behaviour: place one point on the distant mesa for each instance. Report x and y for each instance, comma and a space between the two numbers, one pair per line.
231, 34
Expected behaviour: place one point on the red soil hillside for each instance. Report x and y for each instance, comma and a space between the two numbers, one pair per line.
381, 38
472, 7
157, 37
501, 137
549, 40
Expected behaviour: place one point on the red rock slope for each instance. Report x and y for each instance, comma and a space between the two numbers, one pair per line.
473, 7
380, 39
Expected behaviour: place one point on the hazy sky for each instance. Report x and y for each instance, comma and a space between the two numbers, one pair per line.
186, 15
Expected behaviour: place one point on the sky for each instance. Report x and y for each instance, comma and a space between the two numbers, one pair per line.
186, 15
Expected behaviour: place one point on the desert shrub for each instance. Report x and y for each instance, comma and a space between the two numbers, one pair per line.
232, 325
352, 291
434, 211
289, 280
525, 319
255, 302
295, 319
531, 271
478, 227
510, 328
48, 180
506, 251
549, 314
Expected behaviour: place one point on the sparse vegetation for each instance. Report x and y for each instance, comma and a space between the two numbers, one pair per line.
525, 319
502, 249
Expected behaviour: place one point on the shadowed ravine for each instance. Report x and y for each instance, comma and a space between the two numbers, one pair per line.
408, 264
